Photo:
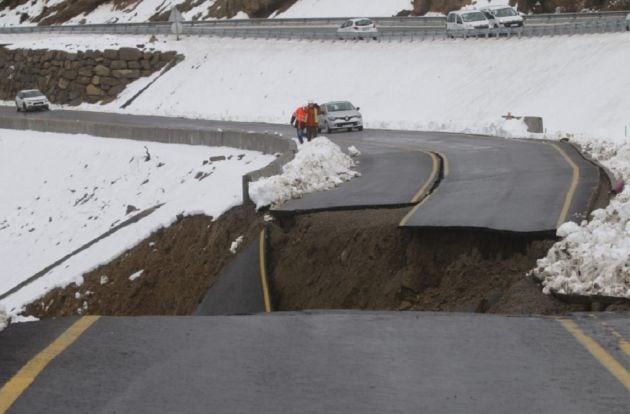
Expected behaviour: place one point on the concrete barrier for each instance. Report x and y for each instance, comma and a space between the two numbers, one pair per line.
284, 148
534, 124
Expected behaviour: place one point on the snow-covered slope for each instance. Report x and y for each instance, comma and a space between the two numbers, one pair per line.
346, 8
116, 11
62, 191
574, 82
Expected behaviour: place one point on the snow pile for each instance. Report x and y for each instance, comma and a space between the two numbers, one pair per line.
4, 318
319, 165
235, 244
61, 192
346, 8
594, 257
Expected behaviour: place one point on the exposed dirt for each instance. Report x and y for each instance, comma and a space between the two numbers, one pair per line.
180, 263
361, 260
329, 260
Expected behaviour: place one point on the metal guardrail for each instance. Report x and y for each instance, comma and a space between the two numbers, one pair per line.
390, 29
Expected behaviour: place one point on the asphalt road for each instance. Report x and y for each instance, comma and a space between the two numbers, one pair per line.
239, 289
329, 362
486, 182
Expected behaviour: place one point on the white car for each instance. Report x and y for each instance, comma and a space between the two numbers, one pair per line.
359, 28
339, 115
502, 16
31, 99
461, 21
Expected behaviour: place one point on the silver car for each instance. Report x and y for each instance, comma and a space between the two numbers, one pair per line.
31, 99
340, 115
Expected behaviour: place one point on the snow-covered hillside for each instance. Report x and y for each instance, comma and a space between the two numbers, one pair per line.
63, 191
116, 11
346, 8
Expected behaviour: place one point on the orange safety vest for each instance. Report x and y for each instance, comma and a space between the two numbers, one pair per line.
300, 116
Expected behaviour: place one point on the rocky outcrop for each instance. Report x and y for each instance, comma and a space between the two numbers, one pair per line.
73, 78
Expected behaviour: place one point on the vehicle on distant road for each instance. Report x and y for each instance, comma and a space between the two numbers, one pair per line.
359, 28
461, 21
30, 100
502, 16
340, 115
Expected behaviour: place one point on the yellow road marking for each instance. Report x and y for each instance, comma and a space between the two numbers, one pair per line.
599, 353
430, 180
424, 188
16, 386
574, 182
445, 167
263, 272
624, 344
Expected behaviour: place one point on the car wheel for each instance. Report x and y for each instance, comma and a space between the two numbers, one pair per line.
360, 128
17, 107
24, 107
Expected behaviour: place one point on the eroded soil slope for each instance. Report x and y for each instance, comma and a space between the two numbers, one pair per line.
331, 260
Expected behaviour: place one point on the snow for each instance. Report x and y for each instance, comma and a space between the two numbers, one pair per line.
319, 165
235, 244
136, 275
346, 8
458, 85
593, 258
104, 280
71, 189
4, 318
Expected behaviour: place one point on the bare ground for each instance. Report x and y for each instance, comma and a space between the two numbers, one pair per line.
329, 260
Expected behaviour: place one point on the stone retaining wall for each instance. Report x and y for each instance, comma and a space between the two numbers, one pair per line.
73, 78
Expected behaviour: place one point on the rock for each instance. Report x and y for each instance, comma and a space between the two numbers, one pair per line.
101, 70
126, 73
83, 80
92, 90
85, 71
109, 81
129, 53
115, 90
110, 54
131, 208
70, 74
63, 83
133, 65
146, 64
96, 80
118, 64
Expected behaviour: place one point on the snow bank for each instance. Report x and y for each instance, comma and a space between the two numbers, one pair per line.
63, 191
4, 318
346, 8
593, 258
319, 165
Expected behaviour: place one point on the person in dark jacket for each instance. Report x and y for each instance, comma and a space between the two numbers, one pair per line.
312, 120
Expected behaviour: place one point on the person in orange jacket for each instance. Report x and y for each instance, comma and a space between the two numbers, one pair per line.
312, 120
298, 120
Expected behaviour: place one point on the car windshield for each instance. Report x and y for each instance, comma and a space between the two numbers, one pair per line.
473, 17
32, 94
364, 22
506, 12
340, 106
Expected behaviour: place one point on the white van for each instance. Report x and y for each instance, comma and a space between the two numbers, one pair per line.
461, 21
502, 16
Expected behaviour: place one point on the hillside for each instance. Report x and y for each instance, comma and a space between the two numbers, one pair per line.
45, 12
